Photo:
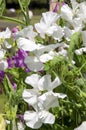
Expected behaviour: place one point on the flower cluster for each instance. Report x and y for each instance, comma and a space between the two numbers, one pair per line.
43, 71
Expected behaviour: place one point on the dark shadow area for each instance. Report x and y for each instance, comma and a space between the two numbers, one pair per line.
33, 5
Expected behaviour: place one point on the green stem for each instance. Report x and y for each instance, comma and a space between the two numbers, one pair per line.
12, 19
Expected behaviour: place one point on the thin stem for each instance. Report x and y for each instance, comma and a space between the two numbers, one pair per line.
12, 19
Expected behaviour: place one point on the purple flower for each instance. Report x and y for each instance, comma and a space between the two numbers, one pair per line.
14, 30
17, 60
14, 86
1, 75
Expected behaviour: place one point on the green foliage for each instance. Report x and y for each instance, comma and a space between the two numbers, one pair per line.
74, 44
2, 6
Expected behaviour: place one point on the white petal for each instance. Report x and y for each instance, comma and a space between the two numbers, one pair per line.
50, 30
5, 34
26, 44
33, 80
67, 33
56, 82
30, 96
41, 28
58, 33
7, 45
48, 100
79, 51
3, 65
66, 13
41, 48
20, 126
61, 95
45, 83
82, 126
32, 119
49, 17
46, 57
2, 53
33, 63
47, 117
26, 33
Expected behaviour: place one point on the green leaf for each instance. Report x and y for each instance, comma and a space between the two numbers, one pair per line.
2, 7
74, 43
3, 100
7, 85
24, 8
14, 72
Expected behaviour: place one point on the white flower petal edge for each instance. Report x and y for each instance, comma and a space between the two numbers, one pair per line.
26, 44
5, 34
82, 126
26, 33
35, 119
30, 96
33, 80
3, 65
32, 119
48, 100
2, 53
47, 24
45, 83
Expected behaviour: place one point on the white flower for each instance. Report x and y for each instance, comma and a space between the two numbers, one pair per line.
49, 18
5, 34
47, 24
35, 62
27, 32
71, 15
82, 11
43, 83
82, 126
34, 119
39, 84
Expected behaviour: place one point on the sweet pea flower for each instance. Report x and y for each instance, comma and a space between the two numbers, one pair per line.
34, 119
82, 126
41, 103
82, 11
39, 84
71, 15
47, 24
